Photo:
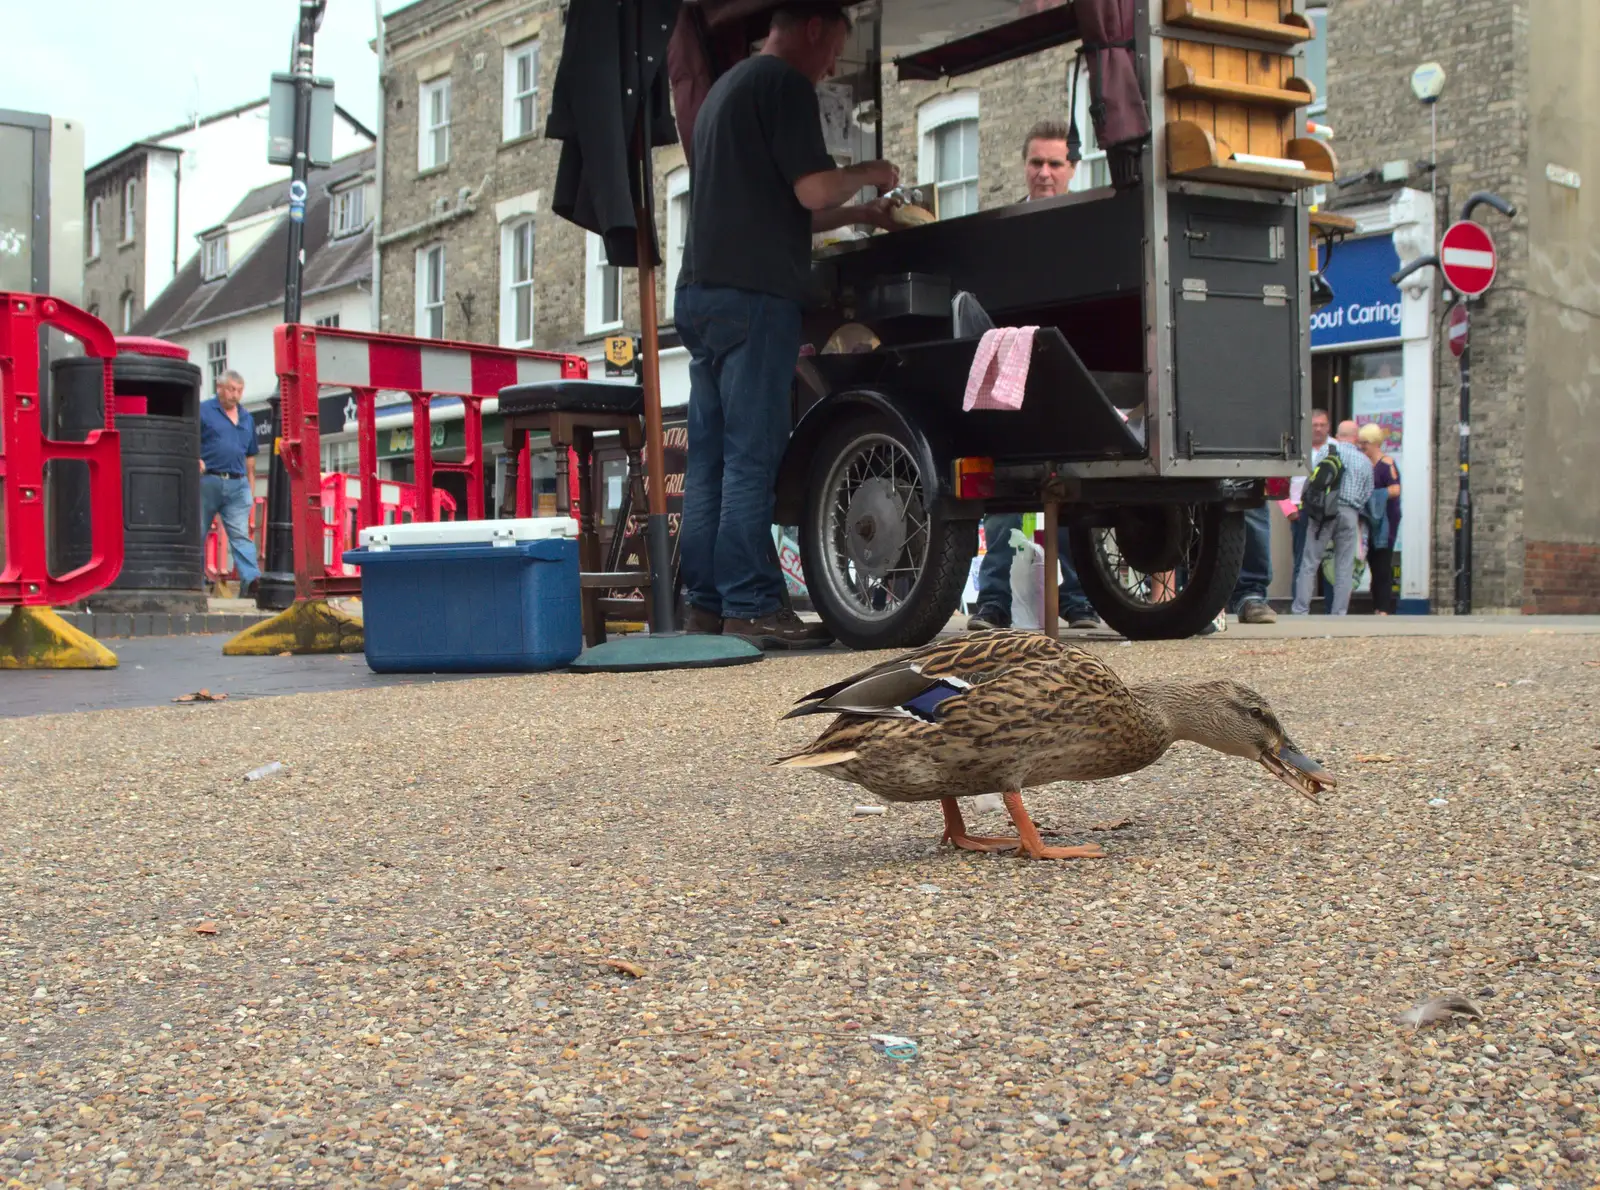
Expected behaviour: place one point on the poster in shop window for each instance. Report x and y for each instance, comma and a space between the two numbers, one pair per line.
1381, 399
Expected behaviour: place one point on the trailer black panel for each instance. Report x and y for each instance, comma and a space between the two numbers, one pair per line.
1235, 269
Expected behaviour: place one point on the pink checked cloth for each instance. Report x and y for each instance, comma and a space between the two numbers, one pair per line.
999, 376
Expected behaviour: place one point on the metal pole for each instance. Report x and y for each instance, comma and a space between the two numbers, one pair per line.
377, 213
658, 543
1463, 490
276, 590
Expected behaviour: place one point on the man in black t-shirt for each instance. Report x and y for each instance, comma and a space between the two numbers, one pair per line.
763, 183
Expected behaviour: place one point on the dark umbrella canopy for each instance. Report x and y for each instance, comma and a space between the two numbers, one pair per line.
613, 59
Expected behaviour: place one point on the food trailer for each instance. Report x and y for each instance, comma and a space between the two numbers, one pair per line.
1167, 382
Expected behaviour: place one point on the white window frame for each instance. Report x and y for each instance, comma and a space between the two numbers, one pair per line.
426, 301
216, 360
130, 208
511, 125
214, 257
595, 321
1317, 16
347, 211
510, 284
677, 233
95, 208
125, 313
329, 320
1092, 169
433, 150
936, 114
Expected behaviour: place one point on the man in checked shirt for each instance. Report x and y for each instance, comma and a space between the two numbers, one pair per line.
1343, 529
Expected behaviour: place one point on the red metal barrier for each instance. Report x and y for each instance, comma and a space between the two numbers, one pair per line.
25, 449
310, 358
341, 508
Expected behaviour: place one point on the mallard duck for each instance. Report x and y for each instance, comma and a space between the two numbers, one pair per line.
1003, 711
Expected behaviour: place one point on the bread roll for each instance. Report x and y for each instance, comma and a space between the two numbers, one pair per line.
912, 216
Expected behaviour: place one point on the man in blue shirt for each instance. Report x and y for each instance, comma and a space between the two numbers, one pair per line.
228, 480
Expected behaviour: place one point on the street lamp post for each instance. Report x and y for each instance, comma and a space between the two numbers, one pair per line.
276, 590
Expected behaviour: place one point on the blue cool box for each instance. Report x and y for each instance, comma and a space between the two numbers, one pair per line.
471, 608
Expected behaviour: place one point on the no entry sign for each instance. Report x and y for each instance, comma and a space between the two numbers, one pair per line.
1466, 254
1458, 330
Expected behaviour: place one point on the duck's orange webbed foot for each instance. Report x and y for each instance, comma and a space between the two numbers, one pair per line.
1033, 846
955, 831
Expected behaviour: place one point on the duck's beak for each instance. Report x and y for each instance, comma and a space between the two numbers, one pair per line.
1297, 770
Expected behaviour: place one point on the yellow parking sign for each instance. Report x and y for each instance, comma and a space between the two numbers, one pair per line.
619, 354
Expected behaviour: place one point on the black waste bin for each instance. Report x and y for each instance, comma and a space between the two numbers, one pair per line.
163, 568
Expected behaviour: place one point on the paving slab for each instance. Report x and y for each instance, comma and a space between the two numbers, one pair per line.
154, 670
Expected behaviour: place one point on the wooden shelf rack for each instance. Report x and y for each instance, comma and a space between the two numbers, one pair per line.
1183, 82
1284, 28
1193, 153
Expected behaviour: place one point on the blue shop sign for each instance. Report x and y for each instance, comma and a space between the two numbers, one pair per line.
1366, 304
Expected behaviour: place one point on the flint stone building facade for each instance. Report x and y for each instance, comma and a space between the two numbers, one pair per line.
472, 190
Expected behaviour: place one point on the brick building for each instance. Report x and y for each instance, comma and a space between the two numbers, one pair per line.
468, 248
1517, 117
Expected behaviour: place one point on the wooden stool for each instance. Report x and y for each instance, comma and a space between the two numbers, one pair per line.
572, 412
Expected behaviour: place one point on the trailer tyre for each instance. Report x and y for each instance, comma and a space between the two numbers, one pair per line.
883, 565
1198, 548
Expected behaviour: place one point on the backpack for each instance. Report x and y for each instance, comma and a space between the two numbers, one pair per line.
1320, 501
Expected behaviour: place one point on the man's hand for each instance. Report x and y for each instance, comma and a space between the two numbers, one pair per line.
879, 213
1293, 514
884, 175
202, 466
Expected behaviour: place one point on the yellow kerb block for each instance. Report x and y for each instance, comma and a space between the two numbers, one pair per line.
37, 638
313, 626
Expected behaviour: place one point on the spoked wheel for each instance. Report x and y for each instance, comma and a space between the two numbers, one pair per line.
883, 566
1161, 572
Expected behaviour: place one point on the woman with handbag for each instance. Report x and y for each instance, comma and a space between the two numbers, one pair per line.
1382, 516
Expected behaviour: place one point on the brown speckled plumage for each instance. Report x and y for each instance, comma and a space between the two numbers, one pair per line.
1015, 710
1038, 711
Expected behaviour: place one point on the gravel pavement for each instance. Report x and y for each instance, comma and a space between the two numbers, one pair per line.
568, 931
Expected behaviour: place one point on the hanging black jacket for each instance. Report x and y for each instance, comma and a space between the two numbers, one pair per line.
608, 46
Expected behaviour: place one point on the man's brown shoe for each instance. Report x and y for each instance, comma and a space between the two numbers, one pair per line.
1257, 611
781, 630
699, 622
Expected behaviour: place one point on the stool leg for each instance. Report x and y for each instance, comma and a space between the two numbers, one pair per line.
512, 496
634, 444
588, 534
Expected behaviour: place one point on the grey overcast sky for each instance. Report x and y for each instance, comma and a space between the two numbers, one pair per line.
132, 69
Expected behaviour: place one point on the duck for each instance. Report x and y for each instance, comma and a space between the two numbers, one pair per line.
1002, 711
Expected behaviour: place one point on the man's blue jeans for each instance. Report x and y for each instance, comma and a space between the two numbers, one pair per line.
1255, 575
994, 573
743, 348
232, 498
